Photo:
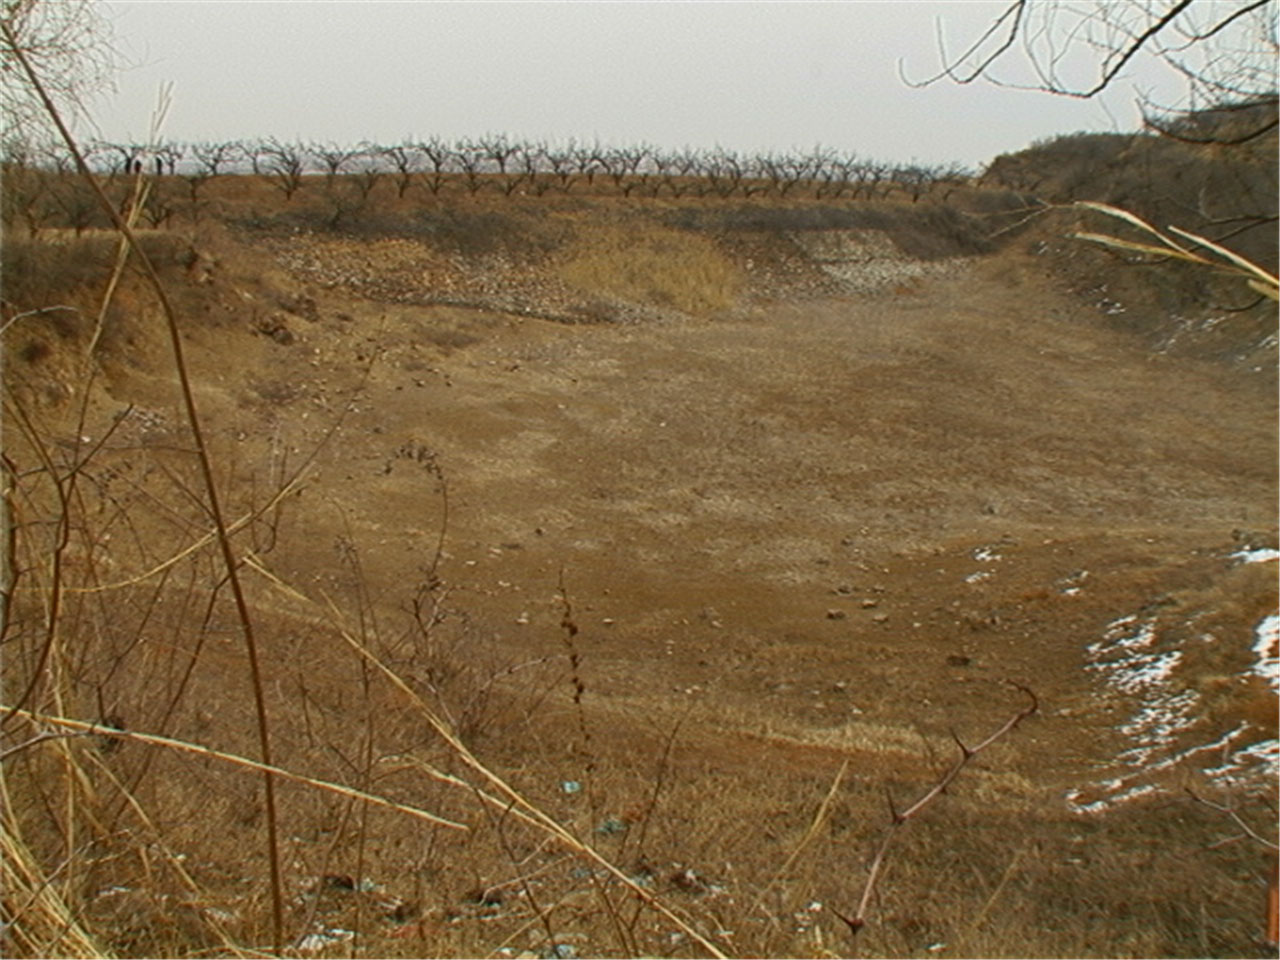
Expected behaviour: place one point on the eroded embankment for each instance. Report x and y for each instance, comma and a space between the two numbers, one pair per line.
633, 266
799, 521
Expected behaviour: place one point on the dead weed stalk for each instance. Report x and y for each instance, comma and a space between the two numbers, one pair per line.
206, 473
898, 820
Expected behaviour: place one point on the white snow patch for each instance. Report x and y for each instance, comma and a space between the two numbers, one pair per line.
1156, 723
1260, 555
1119, 623
1162, 726
1075, 806
1115, 639
1136, 674
315, 942
986, 555
1257, 761
1267, 651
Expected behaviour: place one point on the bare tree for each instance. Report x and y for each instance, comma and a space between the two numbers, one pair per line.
79, 206
158, 206
727, 171
253, 152
440, 157
68, 43
504, 155
679, 168
27, 187
1225, 51
368, 170
868, 177
915, 179
471, 158
195, 177
561, 162
208, 160
589, 160
285, 164
406, 160
786, 171
951, 177
333, 157
624, 167
534, 163
126, 157
838, 174
212, 156
168, 155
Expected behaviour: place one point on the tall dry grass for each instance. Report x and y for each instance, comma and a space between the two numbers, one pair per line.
648, 263
416, 781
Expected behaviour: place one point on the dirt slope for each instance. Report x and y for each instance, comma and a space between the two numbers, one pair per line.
833, 524
726, 500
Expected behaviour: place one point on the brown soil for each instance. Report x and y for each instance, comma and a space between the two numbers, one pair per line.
811, 529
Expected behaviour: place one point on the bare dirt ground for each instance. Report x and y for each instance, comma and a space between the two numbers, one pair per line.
809, 530
750, 509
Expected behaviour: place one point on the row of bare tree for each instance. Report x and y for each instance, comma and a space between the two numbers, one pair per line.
497, 162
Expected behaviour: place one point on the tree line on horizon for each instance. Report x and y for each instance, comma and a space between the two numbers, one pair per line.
493, 162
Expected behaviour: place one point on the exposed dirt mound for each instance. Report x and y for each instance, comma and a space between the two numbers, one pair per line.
1209, 175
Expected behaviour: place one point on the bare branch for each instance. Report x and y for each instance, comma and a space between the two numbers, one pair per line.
1226, 58
898, 820
1235, 818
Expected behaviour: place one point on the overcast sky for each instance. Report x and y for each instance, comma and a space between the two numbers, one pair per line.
746, 76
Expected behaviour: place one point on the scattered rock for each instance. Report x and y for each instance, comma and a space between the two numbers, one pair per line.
300, 305
338, 881
274, 326
688, 881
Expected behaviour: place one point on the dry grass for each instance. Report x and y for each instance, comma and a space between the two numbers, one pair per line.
647, 263
391, 705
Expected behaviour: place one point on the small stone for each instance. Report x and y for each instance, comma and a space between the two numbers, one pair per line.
836, 615
880, 618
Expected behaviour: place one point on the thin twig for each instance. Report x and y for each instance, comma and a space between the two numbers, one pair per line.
898, 820
510, 798
186, 746
206, 472
819, 818
1235, 818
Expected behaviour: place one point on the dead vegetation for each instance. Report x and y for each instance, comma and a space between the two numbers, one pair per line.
578, 695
